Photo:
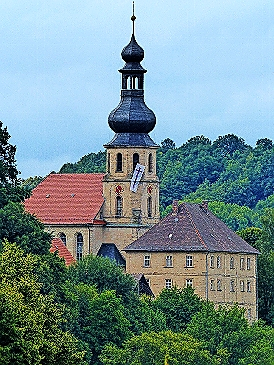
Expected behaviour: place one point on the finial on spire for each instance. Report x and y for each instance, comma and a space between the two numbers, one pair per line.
133, 18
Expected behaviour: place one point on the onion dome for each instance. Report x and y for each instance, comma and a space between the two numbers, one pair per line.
132, 115
132, 52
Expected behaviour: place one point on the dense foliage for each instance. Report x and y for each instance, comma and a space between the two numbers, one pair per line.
237, 178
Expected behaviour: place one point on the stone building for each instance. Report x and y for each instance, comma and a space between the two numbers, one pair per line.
191, 246
119, 210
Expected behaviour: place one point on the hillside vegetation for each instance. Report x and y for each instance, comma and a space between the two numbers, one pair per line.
236, 178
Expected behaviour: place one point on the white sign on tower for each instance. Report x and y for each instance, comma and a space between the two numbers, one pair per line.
137, 174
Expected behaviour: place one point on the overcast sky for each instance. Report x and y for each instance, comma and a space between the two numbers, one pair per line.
210, 71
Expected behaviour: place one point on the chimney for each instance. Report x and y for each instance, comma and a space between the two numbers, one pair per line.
204, 205
175, 207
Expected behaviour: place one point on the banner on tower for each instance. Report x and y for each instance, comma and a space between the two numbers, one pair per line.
137, 174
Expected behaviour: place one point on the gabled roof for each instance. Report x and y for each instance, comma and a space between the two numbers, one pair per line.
111, 251
192, 228
143, 286
58, 245
67, 199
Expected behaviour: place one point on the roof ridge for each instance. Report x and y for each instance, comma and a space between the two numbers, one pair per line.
194, 226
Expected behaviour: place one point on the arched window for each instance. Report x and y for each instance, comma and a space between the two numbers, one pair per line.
150, 166
133, 82
119, 206
79, 246
108, 162
135, 160
149, 207
119, 165
63, 238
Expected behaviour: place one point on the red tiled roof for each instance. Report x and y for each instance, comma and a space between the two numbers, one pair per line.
67, 199
58, 245
193, 228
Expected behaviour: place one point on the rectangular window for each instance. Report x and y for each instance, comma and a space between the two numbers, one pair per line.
242, 263
248, 286
242, 285
249, 314
219, 285
148, 282
248, 263
231, 262
169, 262
218, 262
189, 282
232, 285
168, 283
147, 261
189, 261
212, 284
212, 262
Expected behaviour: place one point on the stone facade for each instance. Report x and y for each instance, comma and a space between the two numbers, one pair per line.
222, 278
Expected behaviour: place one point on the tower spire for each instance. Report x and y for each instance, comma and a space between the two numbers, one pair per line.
133, 18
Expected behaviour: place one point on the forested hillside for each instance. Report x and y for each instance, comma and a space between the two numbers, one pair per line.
238, 178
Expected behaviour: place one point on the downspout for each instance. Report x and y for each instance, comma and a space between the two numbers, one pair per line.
88, 240
206, 291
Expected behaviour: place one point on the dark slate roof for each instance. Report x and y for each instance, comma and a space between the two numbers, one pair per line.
143, 287
111, 251
193, 228
131, 139
132, 52
132, 115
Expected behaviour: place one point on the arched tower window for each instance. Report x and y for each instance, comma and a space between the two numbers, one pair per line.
108, 163
133, 86
63, 238
119, 164
135, 160
149, 207
119, 206
79, 246
150, 165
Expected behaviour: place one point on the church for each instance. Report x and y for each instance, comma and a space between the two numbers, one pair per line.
117, 213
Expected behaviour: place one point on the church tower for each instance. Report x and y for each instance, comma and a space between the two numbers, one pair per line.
131, 153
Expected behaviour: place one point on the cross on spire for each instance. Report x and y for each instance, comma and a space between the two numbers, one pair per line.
133, 18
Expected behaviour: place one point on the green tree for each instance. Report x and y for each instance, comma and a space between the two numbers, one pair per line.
212, 325
93, 162
17, 225
29, 321
30, 183
95, 318
228, 144
251, 235
178, 306
9, 183
104, 274
167, 144
159, 349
